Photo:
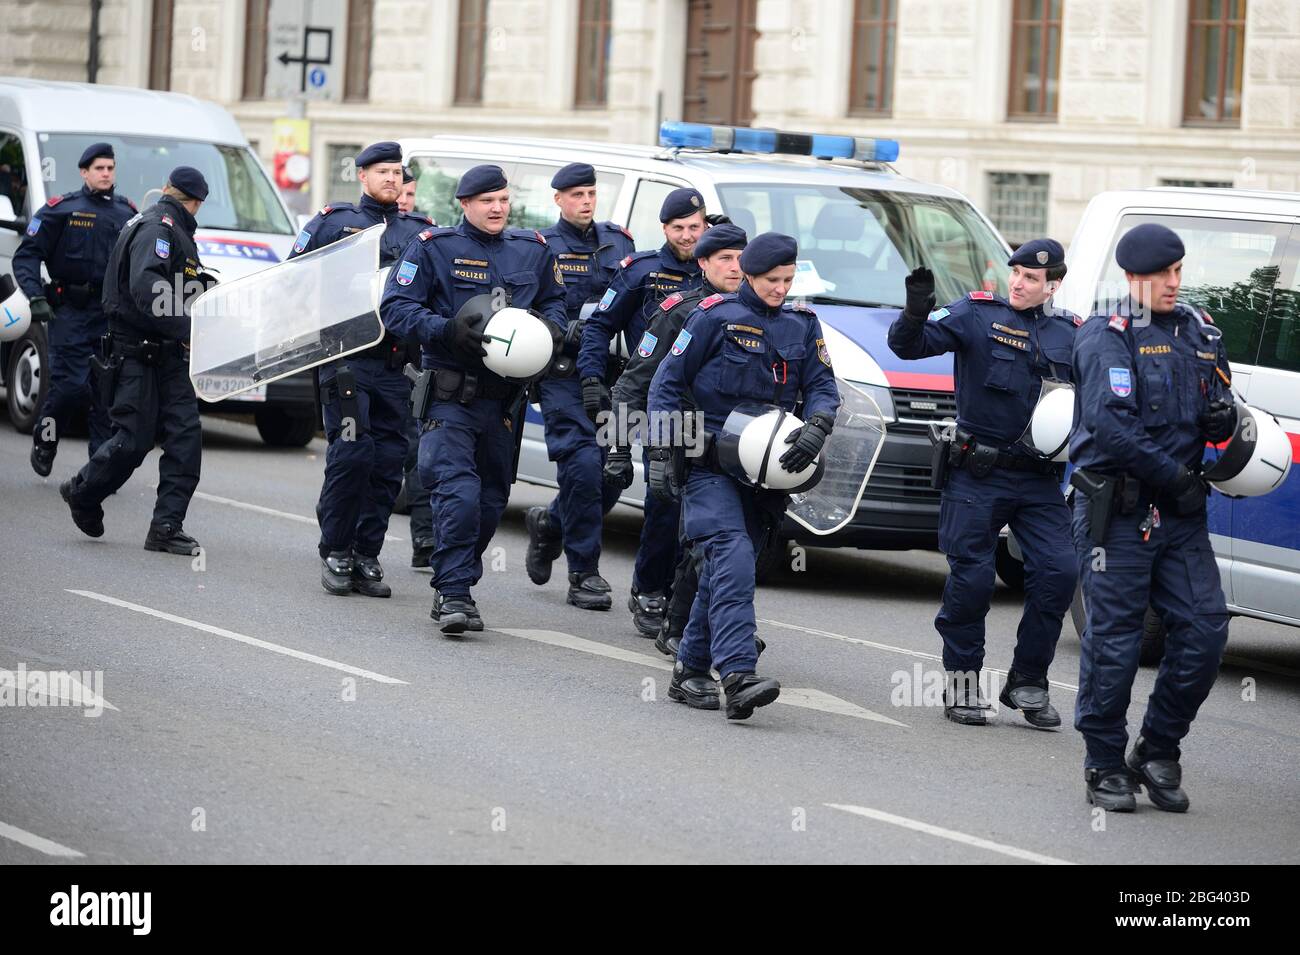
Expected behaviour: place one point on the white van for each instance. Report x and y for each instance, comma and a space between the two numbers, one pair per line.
243, 226
1243, 267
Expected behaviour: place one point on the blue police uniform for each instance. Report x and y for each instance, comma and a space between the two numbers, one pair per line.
468, 443
363, 467
1002, 357
73, 234
1143, 385
588, 260
735, 348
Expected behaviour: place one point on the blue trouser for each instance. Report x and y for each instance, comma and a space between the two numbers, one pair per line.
657, 553
72, 338
1175, 573
727, 524
363, 464
466, 461
584, 497
151, 404
972, 513
417, 495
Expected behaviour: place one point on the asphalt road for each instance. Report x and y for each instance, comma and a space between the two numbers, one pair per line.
257, 719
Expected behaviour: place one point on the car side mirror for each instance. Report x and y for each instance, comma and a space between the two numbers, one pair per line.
8, 220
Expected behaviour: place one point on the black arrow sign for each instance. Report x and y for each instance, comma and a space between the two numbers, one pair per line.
306, 61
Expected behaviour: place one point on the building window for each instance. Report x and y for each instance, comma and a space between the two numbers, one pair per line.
593, 54
256, 18
1216, 36
343, 185
471, 35
871, 89
356, 78
1018, 204
160, 46
1035, 59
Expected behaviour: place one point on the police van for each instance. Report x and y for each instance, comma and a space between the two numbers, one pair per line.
1243, 267
861, 228
243, 226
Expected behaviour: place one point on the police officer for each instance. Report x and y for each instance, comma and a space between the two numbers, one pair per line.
152, 277
1004, 351
406, 198
746, 346
73, 236
467, 450
1153, 386
364, 397
718, 254
641, 283
588, 253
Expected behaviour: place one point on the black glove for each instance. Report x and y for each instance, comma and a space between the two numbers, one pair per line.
41, 311
717, 218
595, 397
920, 294
467, 342
1219, 421
208, 280
618, 468
1188, 492
807, 442
662, 476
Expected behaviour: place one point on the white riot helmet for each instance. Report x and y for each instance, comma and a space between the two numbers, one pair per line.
520, 344
1048, 432
15, 310
1256, 459
751, 444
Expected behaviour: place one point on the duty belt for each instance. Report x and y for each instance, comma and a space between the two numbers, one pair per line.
145, 351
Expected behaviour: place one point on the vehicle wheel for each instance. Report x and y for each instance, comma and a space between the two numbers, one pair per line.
1153, 630
769, 561
1009, 569
25, 379
280, 429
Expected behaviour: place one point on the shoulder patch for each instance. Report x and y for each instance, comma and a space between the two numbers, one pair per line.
647, 346
54, 200
683, 339
406, 272
623, 230
167, 220
425, 235
668, 304
981, 296
800, 307
939, 313
711, 301
1118, 322
162, 248
538, 236
823, 353
607, 299
1078, 320
1121, 382
626, 259
301, 242
34, 226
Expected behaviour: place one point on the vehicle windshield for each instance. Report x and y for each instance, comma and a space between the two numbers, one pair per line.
240, 197
857, 245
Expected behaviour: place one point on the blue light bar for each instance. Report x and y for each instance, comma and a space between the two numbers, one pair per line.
745, 140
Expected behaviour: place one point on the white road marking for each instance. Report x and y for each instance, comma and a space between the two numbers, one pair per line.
260, 509
61, 689
920, 654
950, 834
808, 699
32, 841
242, 638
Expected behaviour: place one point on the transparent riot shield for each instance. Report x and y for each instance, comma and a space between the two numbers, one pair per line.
848, 456
293, 316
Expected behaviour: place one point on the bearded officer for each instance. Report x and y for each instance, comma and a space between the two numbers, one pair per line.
747, 346
588, 253
468, 443
1153, 386
642, 282
364, 397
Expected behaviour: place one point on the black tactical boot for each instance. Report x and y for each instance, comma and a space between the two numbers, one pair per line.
1162, 778
695, 688
368, 577
1030, 698
1111, 789
589, 591
544, 545
89, 520
961, 700
43, 458
647, 612
669, 638
336, 572
453, 613
746, 692
475, 619
170, 539
421, 553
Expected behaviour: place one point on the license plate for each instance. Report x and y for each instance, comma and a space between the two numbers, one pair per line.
221, 386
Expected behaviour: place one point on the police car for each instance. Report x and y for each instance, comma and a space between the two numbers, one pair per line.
861, 228
1243, 267
243, 226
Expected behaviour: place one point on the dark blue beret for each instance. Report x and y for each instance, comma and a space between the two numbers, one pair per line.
379, 152
189, 181
480, 179
1039, 254
767, 251
406, 175
574, 174
681, 203
1148, 248
725, 236
93, 152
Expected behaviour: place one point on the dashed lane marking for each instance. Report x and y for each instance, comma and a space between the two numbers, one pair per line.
950, 834
40, 844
